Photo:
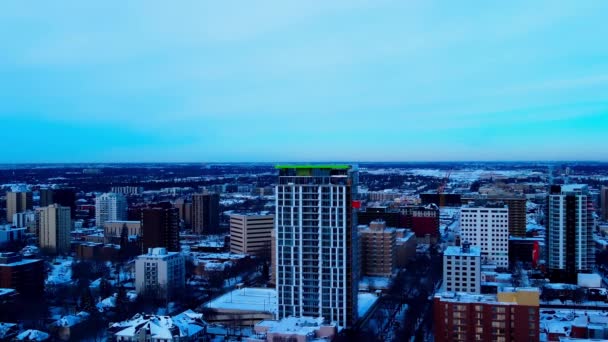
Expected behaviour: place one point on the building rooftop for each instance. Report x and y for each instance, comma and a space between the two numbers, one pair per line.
247, 299
458, 251
6, 292
304, 326
186, 324
14, 259
7, 329
561, 321
33, 335
573, 187
158, 253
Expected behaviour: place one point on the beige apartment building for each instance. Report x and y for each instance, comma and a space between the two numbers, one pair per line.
251, 233
378, 249
55, 226
17, 202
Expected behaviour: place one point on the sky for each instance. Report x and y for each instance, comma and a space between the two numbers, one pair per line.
340, 80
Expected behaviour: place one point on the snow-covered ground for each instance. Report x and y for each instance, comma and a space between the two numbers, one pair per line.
61, 272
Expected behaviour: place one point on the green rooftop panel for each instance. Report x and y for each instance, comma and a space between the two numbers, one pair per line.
320, 166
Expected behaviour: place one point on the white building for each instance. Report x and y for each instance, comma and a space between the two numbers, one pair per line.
110, 207
160, 273
24, 219
55, 226
488, 228
462, 269
570, 246
316, 243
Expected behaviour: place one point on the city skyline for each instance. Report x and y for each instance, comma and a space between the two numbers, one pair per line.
272, 81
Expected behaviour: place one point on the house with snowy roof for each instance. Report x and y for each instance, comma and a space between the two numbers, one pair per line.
69, 326
187, 326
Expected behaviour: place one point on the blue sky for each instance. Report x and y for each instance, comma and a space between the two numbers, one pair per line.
84, 81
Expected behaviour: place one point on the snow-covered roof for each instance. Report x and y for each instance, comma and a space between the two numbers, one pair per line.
247, 299
304, 326
186, 324
6, 292
364, 302
72, 320
561, 321
61, 271
33, 335
7, 329
474, 251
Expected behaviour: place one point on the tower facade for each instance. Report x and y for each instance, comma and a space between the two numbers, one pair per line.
160, 227
110, 207
487, 227
206, 213
17, 202
570, 245
317, 257
604, 202
55, 226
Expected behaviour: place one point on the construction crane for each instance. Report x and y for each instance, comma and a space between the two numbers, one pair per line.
444, 182
441, 188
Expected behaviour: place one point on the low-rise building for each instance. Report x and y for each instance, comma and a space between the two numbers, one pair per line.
187, 326
24, 275
11, 235
114, 229
242, 307
511, 315
8, 331
573, 325
159, 273
296, 329
32, 335
69, 327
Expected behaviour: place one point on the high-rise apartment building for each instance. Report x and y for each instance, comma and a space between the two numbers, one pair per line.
515, 203
185, 211
378, 249
604, 202
423, 220
55, 225
17, 202
250, 234
317, 244
110, 207
159, 273
510, 315
206, 213
488, 228
462, 268
65, 197
570, 247
160, 227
